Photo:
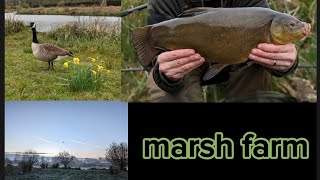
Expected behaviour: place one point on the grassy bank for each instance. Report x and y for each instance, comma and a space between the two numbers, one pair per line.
67, 174
303, 82
26, 79
133, 83
53, 3
83, 11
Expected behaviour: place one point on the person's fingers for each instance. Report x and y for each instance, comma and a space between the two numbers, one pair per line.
270, 62
165, 66
181, 75
276, 48
176, 54
276, 56
180, 72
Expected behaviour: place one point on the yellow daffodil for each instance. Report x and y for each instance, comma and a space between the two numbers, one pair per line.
93, 60
76, 60
100, 68
66, 64
107, 71
94, 72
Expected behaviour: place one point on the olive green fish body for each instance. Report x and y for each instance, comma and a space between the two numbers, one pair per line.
219, 36
224, 35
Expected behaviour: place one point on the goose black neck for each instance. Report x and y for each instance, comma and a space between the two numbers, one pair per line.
34, 35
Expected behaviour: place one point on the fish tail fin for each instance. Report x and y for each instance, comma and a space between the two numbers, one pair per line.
139, 40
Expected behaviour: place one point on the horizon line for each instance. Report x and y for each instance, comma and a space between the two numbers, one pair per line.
20, 153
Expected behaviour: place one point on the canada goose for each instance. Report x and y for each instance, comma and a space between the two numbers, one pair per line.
46, 52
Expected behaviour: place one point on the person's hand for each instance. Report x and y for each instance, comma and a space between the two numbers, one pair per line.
278, 57
177, 63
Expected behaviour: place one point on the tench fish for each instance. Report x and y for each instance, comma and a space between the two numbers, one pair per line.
223, 36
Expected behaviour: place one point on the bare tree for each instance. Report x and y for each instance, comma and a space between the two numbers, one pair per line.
30, 156
65, 158
27, 160
44, 164
118, 155
103, 3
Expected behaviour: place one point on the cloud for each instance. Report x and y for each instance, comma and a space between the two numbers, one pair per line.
45, 140
79, 142
100, 147
92, 145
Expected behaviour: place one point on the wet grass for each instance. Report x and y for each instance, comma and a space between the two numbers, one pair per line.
133, 83
26, 79
68, 174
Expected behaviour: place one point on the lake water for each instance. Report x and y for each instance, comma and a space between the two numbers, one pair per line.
46, 23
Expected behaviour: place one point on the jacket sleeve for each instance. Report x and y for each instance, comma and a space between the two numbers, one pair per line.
280, 73
162, 10
253, 3
158, 11
164, 83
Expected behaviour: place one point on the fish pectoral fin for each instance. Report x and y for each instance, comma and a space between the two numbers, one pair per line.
161, 50
213, 71
196, 11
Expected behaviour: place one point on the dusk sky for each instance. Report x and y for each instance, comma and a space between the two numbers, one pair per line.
83, 128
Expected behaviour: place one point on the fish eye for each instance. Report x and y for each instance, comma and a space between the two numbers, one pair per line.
292, 24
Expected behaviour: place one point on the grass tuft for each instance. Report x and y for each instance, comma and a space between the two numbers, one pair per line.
13, 25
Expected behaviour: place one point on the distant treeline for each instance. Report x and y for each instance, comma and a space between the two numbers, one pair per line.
50, 3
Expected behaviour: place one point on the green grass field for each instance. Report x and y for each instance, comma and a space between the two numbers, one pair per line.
133, 83
26, 79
